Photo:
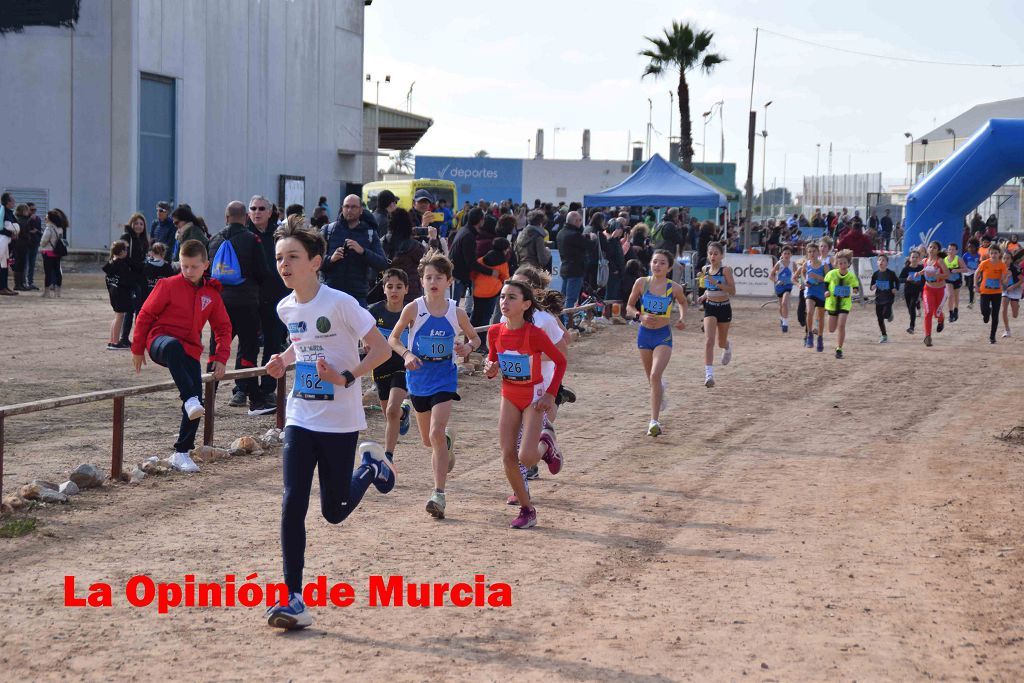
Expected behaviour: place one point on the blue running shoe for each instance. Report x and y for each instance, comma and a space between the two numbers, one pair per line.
403, 425
294, 615
374, 457
821, 344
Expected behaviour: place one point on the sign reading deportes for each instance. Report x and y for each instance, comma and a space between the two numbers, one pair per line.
751, 273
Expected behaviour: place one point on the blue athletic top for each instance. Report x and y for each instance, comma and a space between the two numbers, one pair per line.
657, 305
815, 288
784, 276
971, 260
432, 340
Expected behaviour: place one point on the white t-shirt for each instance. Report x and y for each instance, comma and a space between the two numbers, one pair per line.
329, 327
549, 324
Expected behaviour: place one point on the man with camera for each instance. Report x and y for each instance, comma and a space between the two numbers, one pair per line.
355, 252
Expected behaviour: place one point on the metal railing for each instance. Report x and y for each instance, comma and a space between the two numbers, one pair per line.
118, 397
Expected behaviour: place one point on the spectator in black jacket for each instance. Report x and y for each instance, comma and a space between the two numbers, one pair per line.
462, 252
242, 301
387, 202
135, 281
262, 223
612, 245
572, 250
162, 229
355, 252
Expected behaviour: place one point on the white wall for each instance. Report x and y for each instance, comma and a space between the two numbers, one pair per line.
543, 177
264, 88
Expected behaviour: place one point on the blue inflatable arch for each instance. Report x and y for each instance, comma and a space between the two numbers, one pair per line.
937, 205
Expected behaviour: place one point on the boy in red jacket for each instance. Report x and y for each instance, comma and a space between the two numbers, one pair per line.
170, 325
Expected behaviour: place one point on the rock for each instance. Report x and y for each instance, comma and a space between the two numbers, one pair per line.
236, 452
87, 476
43, 484
258, 451
205, 454
15, 502
6, 509
465, 369
574, 335
51, 496
475, 358
158, 467
69, 488
247, 443
370, 397
137, 476
273, 437
30, 492
618, 321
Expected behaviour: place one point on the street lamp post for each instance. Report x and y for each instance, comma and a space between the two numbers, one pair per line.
764, 153
953, 133
376, 121
817, 175
671, 102
910, 135
704, 145
924, 155
721, 121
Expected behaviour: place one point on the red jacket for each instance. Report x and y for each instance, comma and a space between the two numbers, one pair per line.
179, 309
857, 242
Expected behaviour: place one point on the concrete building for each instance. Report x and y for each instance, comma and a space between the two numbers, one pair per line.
186, 101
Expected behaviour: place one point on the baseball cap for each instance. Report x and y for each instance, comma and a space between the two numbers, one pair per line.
423, 194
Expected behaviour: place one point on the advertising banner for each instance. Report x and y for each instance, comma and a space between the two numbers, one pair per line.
751, 273
476, 178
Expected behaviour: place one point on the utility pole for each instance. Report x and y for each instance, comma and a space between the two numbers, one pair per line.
764, 153
650, 119
751, 127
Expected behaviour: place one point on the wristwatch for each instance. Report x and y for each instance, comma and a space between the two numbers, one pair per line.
350, 379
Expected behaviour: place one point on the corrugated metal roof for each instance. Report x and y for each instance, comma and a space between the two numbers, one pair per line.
968, 123
398, 129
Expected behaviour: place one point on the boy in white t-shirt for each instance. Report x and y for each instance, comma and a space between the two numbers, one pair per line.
325, 408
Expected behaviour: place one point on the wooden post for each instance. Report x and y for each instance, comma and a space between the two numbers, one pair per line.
1, 453
117, 448
209, 406
282, 392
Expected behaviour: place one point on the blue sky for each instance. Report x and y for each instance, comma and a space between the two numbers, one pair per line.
490, 73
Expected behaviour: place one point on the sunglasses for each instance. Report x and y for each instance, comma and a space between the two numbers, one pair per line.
257, 208
161, 210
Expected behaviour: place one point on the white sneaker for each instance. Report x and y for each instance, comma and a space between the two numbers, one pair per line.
727, 354
1006, 334
654, 428
194, 408
183, 463
709, 381
664, 396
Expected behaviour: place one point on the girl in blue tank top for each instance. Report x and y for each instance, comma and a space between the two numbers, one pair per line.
782, 276
433, 322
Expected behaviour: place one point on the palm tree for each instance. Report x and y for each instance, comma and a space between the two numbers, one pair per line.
682, 48
402, 161
481, 154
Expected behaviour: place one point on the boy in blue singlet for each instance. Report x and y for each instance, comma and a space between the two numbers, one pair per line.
432, 322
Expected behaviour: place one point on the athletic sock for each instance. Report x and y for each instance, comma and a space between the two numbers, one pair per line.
709, 369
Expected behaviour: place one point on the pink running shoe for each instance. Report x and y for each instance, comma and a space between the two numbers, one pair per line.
512, 500
553, 457
527, 518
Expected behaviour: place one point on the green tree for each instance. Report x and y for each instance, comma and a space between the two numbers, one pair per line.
682, 49
482, 153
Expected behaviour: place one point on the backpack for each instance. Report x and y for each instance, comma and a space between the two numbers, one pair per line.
602, 265
225, 265
60, 248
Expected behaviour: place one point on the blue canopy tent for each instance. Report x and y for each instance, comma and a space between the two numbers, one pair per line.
659, 183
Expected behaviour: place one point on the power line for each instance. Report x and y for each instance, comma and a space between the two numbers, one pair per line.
890, 58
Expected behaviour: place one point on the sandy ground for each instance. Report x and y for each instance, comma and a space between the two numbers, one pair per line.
807, 519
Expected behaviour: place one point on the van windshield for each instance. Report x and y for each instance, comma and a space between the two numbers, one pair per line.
444, 193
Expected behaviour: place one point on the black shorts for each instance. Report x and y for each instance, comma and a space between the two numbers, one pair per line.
120, 299
721, 311
818, 301
957, 284
836, 313
396, 380
423, 404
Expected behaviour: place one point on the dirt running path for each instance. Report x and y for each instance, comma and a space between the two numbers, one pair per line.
807, 519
